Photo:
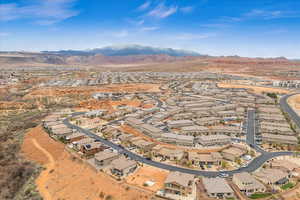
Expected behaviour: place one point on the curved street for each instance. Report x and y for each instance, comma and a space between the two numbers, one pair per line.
251, 167
287, 108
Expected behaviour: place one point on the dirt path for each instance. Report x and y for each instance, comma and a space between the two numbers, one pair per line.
42, 179
67, 177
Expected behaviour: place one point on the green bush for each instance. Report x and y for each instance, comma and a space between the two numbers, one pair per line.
288, 185
260, 195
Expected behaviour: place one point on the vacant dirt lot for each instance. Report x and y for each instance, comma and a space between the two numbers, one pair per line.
148, 173
255, 89
67, 177
111, 106
294, 102
88, 90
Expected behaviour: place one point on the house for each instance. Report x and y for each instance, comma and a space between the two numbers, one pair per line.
184, 140
247, 184
49, 124
75, 137
123, 137
240, 111
180, 123
122, 166
133, 122
170, 154
173, 111
217, 188
224, 107
111, 132
61, 132
179, 183
182, 116
202, 114
276, 129
78, 144
90, 149
207, 121
271, 124
279, 139
233, 152
226, 113
51, 118
205, 159
226, 130
205, 104
150, 130
159, 116
270, 110
144, 145
170, 138
104, 158
57, 126
209, 140
272, 176
194, 130
272, 118
95, 113
284, 165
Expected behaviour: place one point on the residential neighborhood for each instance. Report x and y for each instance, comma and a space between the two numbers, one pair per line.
207, 141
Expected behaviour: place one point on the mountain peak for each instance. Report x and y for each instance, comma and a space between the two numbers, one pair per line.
128, 50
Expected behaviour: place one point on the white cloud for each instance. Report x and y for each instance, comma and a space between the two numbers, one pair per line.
265, 14
144, 6
136, 22
216, 25
150, 28
187, 9
41, 11
4, 34
121, 34
161, 11
193, 36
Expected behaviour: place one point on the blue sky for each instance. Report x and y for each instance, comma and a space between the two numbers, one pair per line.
254, 28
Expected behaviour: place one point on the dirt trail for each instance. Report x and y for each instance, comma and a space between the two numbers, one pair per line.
42, 179
70, 178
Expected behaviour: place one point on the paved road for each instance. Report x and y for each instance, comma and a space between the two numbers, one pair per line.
285, 106
250, 135
251, 131
252, 166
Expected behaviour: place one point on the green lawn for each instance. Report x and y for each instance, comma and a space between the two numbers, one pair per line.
287, 186
260, 195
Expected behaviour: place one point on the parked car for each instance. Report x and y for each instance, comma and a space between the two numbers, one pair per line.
223, 175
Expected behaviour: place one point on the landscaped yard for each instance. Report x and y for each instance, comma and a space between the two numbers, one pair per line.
260, 195
230, 198
287, 186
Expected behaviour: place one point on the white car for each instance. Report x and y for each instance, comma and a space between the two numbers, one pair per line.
223, 175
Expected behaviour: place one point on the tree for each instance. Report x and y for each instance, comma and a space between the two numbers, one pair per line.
224, 164
238, 161
272, 95
252, 153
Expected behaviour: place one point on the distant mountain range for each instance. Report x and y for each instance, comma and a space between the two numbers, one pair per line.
129, 54
122, 55
126, 50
